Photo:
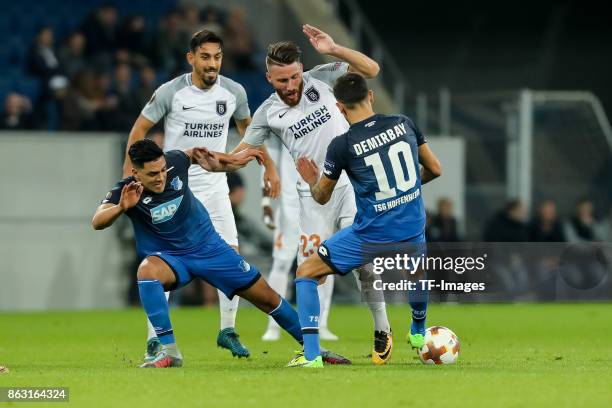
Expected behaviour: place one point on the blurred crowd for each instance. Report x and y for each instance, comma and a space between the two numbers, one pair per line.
532, 272
100, 75
513, 224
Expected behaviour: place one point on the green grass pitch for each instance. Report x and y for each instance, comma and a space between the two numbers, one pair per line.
511, 356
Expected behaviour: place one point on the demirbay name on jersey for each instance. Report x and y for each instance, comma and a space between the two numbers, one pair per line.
381, 139
380, 156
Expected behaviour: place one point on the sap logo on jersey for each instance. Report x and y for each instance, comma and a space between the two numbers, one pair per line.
165, 211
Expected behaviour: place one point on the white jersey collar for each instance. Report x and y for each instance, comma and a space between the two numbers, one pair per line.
190, 82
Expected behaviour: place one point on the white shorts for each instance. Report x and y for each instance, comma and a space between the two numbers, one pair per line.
219, 208
319, 222
287, 234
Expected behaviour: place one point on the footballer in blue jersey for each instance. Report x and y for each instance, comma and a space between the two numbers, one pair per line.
387, 160
177, 242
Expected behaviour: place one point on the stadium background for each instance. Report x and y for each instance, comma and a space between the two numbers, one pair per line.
509, 98
513, 96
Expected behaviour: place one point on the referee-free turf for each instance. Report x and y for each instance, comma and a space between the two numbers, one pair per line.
550, 355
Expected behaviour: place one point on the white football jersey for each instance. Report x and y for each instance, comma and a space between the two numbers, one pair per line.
307, 128
286, 167
197, 117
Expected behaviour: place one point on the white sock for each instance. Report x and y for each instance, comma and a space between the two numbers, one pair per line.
377, 308
278, 280
173, 350
326, 291
150, 330
228, 309
379, 314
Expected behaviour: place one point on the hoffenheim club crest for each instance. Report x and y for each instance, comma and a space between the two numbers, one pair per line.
244, 266
176, 183
221, 107
312, 94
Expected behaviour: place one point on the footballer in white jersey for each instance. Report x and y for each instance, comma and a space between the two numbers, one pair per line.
196, 108
195, 117
284, 222
303, 114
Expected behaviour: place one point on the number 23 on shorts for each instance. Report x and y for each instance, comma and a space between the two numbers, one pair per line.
309, 244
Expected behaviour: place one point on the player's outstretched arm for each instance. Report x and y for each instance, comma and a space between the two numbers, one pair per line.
106, 214
321, 188
274, 150
431, 165
138, 132
271, 178
223, 162
324, 44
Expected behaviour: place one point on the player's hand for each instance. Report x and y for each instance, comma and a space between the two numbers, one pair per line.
268, 217
321, 41
207, 159
130, 195
243, 157
308, 169
271, 182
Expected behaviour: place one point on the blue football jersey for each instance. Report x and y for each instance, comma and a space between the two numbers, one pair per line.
173, 221
380, 156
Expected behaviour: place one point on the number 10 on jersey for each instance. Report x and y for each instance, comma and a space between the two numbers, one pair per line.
397, 153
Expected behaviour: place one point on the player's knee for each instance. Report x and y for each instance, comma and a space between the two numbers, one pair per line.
270, 303
303, 271
148, 271
311, 268
366, 274
145, 272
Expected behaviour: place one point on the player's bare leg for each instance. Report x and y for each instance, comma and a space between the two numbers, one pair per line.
227, 337
261, 295
154, 275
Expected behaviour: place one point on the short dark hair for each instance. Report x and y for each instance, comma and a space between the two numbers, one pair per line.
203, 37
350, 89
283, 53
144, 151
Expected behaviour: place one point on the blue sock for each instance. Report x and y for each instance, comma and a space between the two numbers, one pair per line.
308, 312
418, 302
156, 306
288, 319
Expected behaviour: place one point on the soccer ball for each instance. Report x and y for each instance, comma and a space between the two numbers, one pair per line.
441, 346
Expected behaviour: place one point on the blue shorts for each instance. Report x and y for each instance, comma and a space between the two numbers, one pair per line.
347, 250
220, 266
